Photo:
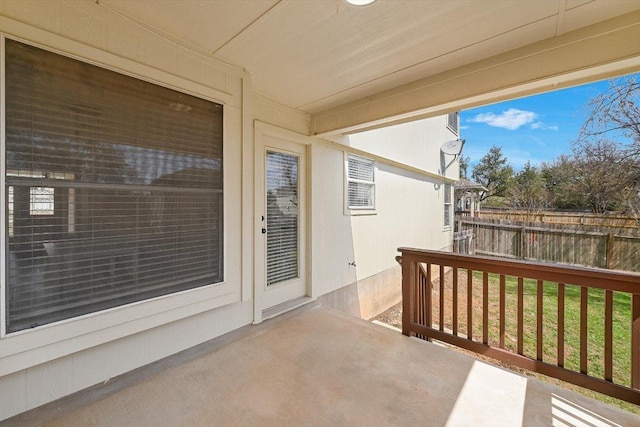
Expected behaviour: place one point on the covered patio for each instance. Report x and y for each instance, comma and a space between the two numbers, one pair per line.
292, 371
134, 334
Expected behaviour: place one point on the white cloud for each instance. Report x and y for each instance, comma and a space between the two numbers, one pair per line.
510, 119
542, 126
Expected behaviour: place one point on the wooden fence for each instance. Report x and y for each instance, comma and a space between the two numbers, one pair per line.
540, 317
561, 245
578, 219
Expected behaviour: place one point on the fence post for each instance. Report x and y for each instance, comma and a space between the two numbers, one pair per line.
611, 251
408, 291
523, 242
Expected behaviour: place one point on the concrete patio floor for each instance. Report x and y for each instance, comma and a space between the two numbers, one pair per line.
318, 367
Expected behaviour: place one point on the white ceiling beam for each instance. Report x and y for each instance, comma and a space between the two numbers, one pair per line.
603, 50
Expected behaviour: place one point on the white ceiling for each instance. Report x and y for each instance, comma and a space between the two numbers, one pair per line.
314, 55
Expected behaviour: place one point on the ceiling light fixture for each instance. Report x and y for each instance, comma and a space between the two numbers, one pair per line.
360, 2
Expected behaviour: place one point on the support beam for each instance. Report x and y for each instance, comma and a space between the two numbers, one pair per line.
603, 50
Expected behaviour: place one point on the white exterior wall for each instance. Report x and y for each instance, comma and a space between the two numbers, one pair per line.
39, 366
416, 144
409, 202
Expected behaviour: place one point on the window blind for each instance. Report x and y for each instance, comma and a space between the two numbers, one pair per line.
360, 183
447, 205
453, 122
115, 184
282, 217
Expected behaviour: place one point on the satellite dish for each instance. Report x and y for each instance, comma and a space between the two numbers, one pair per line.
452, 147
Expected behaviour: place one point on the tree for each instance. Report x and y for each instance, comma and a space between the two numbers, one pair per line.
617, 110
464, 166
605, 175
559, 177
608, 170
494, 173
528, 190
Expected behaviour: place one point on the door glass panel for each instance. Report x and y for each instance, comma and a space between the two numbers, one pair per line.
282, 217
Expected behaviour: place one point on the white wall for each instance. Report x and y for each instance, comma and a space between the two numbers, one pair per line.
415, 143
409, 202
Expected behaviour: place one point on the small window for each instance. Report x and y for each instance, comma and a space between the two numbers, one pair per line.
41, 201
447, 205
360, 183
453, 122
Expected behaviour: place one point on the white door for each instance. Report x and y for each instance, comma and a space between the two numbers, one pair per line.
281, 221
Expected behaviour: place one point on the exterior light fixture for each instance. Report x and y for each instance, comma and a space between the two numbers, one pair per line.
360, 2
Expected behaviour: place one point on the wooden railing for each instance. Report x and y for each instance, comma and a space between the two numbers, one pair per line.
576, 324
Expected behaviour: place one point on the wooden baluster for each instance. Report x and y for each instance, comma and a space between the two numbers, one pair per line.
502, 309
417, 298
429, 297
635, 341
441, 310
454, 286
520, 314
584, 303
485, 307
539, 311
419, 312
470, 304
608, 335
561, 325
420, 299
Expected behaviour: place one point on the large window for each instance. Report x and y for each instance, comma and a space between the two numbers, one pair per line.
360, 183
114, 189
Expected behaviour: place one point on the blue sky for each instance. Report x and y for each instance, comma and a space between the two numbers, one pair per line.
537, 128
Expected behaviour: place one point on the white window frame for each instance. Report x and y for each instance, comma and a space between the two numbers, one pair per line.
33, 346
43, 304
447, 217
358, 210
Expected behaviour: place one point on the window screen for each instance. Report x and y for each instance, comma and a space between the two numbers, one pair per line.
114, 189
360, 183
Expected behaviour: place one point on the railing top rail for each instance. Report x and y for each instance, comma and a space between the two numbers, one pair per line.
481, 223
490, 211
621, 281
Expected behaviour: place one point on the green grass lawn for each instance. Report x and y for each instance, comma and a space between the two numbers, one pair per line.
595, 320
